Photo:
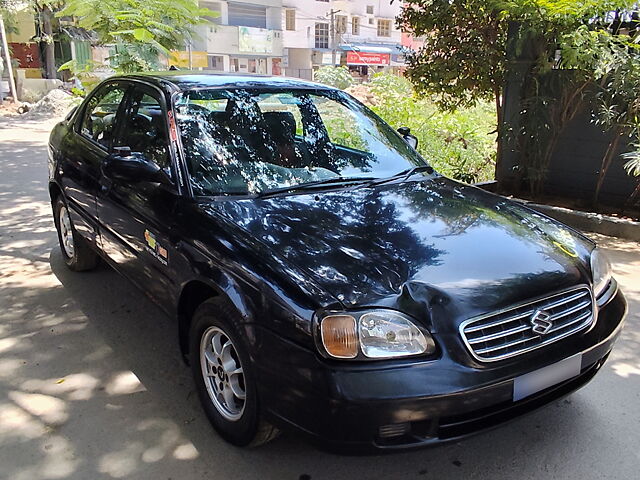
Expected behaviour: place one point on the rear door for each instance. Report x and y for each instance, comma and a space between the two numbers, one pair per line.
85, 149
137, 218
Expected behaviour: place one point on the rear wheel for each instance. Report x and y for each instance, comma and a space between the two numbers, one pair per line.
77, 254
224, 377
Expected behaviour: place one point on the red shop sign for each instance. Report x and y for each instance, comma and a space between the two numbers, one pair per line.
367, 58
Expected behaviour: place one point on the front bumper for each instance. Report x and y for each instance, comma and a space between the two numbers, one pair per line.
396, 406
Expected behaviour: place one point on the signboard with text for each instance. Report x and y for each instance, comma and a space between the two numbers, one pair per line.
367, 58
181, 59
255, 40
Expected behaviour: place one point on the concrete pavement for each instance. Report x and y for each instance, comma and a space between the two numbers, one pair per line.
92, 385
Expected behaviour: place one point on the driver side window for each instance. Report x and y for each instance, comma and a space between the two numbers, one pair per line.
99, 119
144, 130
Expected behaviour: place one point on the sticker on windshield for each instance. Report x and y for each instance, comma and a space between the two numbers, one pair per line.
154, 248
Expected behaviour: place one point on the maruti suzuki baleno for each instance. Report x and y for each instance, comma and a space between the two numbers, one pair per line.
323, 277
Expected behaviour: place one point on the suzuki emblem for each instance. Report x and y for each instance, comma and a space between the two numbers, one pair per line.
541, 323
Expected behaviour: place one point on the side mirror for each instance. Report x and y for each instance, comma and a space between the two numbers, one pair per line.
132, 167
411, 140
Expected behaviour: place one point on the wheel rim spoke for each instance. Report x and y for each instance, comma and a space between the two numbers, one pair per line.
234, 386
211, 358
228, 362
229, 397
216, 343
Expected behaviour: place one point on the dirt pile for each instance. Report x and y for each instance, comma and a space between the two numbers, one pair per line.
56, 103
363, 93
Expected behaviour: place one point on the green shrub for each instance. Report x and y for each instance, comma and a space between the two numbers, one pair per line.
338, 77
460, 144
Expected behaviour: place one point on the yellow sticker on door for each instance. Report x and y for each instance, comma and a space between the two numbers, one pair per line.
154, 248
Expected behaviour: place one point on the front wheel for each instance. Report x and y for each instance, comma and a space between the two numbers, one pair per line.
77, 254
224, 377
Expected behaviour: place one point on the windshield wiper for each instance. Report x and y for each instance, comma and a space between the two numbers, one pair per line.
341, 181
404, 175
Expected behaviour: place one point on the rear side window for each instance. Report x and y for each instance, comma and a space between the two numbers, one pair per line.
99, 118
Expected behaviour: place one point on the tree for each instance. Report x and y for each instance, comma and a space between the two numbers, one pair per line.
464, 54
140, 30
471, 45
45, 11
338, 77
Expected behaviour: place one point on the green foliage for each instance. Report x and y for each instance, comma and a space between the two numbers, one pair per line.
464, 54
458, 143
338, 77
142, 29
7, 12
468, 45
632, 166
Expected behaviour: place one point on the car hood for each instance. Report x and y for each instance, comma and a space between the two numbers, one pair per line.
417, 246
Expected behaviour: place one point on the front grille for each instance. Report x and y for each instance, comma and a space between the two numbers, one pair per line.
528, 326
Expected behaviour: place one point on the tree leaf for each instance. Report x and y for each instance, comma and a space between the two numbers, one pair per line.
143, 35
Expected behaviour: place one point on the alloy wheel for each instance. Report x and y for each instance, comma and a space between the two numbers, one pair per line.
222, 373
66, 232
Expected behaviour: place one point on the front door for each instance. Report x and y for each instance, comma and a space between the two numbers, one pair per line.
87, 146
136, 218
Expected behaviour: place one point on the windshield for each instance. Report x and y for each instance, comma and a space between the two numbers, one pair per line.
246, 141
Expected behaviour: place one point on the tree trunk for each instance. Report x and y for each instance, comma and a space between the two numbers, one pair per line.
606, 163
49, 48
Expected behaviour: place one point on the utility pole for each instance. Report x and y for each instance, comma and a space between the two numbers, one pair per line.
7, 61
332, 34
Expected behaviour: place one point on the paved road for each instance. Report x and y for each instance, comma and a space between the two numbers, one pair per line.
92, 385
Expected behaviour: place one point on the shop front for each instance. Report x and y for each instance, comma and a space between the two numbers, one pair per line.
365, 60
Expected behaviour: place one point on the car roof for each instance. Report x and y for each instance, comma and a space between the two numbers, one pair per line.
189, 80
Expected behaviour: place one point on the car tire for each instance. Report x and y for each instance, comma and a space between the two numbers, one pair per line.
223, 374
77, 254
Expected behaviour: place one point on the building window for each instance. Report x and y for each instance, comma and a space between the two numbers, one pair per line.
355, 25
341, 24
371, 21
290, 19
326, 1
384, 28
322, 35
369, 9
215, 62
247, 15
215, 8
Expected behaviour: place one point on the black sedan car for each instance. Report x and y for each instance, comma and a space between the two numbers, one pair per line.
323, 277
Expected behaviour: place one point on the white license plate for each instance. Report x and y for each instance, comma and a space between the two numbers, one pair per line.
533, 382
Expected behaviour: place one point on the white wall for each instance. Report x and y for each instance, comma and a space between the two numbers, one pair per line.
308, 11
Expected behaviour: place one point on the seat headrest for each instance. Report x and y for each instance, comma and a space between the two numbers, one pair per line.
282, 125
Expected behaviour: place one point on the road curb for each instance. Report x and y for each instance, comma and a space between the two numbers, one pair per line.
590, 222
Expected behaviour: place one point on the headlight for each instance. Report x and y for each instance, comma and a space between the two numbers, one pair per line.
375, 334
601, 271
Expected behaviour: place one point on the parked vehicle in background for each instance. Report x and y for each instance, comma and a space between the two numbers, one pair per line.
323, 276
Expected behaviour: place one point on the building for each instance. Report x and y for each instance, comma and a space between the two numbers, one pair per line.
243, 36
360, 34
294, 37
